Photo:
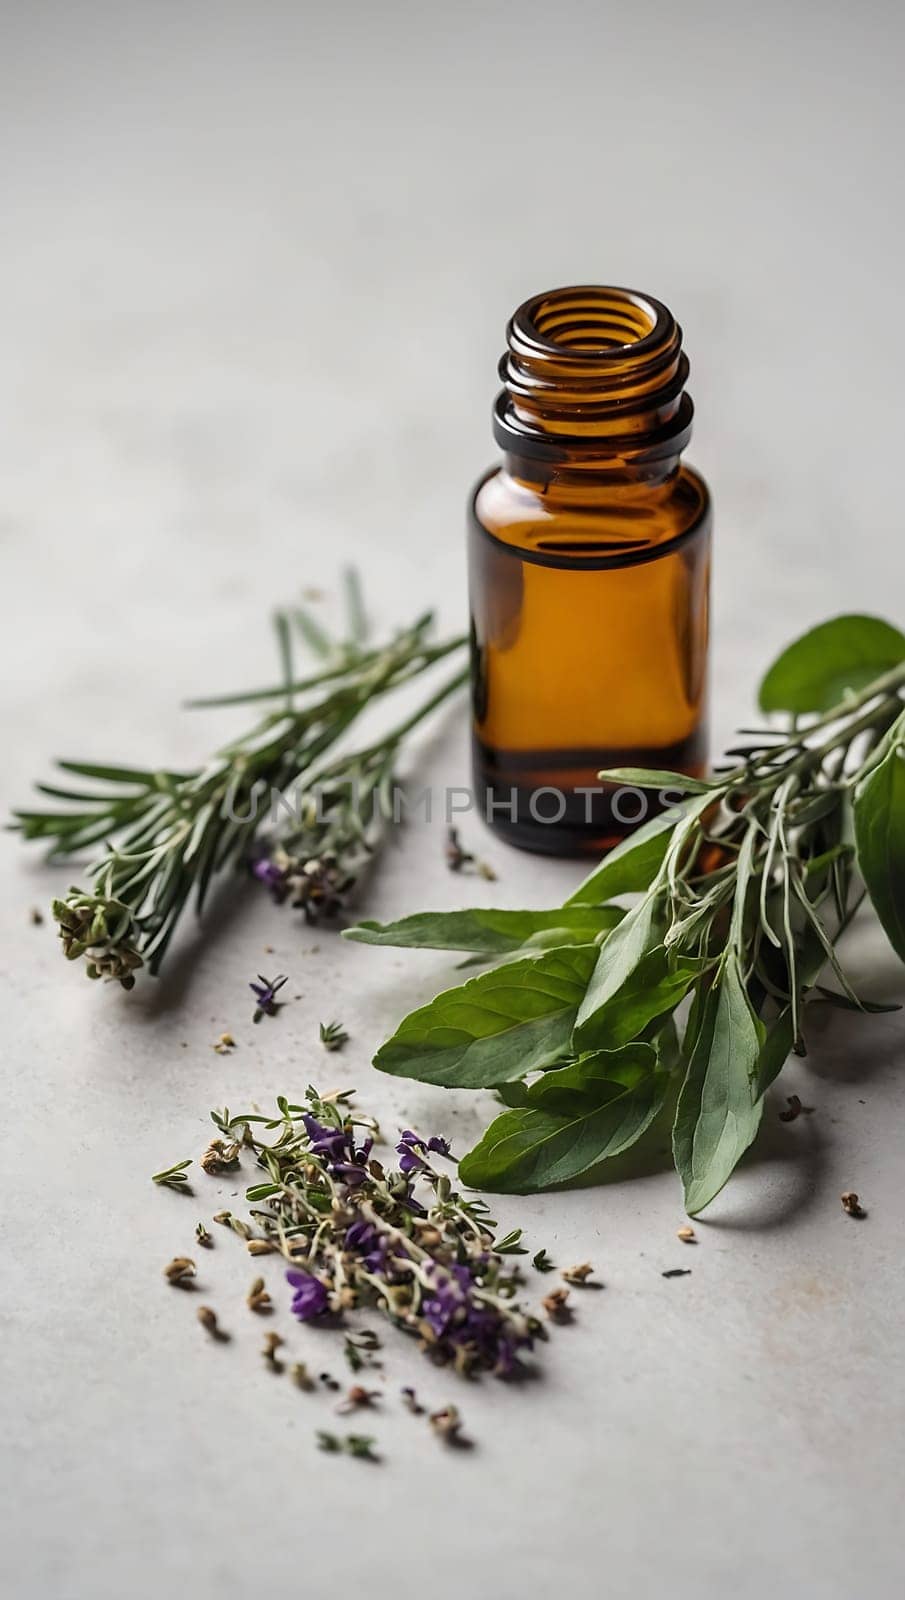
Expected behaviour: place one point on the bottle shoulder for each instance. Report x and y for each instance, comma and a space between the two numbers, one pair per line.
594, 519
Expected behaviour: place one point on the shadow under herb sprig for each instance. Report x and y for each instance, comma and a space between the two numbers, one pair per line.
167, 834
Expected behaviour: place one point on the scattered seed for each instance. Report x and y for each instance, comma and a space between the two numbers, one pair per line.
224, 1217
578, 1275
300, 1376
687, 1235
204, 1238
852, 1205
37, 917
357, 1399
410, 1400
225, 1045
676, 1272
447, 1424
180, 1272
258, 1299
208, 1320
795, 1109
555, 1305
272, 1343
260, 1247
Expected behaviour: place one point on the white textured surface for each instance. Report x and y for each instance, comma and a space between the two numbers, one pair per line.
256, 266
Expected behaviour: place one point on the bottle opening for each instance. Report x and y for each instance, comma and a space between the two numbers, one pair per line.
593, 319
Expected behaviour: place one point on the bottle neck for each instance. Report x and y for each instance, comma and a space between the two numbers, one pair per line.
593, 383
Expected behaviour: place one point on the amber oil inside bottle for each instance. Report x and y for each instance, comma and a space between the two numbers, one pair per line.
589, 554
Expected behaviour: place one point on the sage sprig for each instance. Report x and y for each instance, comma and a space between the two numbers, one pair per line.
168, 834
742, 893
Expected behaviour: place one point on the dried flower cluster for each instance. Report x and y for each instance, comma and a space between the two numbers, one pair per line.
403, 1240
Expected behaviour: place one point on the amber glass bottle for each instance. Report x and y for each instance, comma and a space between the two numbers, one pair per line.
589, 549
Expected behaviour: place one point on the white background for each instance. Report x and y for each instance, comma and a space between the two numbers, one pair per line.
256, 266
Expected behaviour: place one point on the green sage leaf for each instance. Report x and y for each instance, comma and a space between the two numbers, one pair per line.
488, 932
814, 673
575, 1118
494, 1028
880, 840
719, 1108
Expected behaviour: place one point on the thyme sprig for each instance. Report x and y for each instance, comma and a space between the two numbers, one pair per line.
167, 834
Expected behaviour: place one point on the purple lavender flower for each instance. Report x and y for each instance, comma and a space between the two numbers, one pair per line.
368, 1243
412, 1150
310, 1298
332, 1143
265, 992
448, 1300
267, 872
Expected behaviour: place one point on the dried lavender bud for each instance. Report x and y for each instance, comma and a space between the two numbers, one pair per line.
180, 1272
239, 1227
203, 1237
272, 1343
208, 1320
224, 1217
258, 1299
260, 1247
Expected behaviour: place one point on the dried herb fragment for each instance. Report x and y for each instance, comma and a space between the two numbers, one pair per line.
542, 1263
556, 1305
578, 1275
300, 1376
203, 1237
795, 1109
358, 1398
260, 1247
258, 1299
447, 1424
174, 1178
208, 1320
272, 1343
460, 860
686, 1234
221, 1156
265, 992
333, 1035
180, 1272
225, 1045
676, 1272
851, 1204
411, 1402
360, 1445
328, 1441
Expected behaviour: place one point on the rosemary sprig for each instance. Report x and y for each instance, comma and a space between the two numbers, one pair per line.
168, 834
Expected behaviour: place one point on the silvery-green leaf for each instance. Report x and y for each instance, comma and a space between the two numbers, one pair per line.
632, 865
719, 1107
639, 931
